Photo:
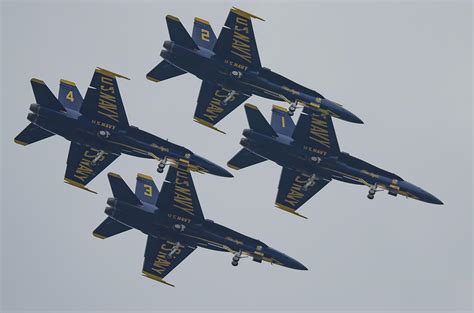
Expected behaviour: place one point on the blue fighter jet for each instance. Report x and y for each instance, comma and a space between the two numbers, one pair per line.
175, 224
310, 156
230, 70
98, 130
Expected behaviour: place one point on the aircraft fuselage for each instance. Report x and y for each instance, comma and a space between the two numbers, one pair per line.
208, 235
208, 66
287, 153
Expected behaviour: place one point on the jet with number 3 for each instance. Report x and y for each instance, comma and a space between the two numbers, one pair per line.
310, 156
230, 69
98, 129
175, 225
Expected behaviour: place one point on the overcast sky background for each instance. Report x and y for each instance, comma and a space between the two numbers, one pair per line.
403, 67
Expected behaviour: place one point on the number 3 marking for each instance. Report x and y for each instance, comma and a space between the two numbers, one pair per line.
148, 190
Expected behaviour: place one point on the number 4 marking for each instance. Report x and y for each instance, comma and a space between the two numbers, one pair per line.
70, 96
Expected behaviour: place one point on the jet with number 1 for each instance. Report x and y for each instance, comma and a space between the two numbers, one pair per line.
98, 129
230, 69
310, 156
175, 224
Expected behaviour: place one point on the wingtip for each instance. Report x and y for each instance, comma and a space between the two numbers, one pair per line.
207, 124
245, 14
152, 79
172, 17
157, 278
19, 142
251, 106
112, 174
37, 81
109, 73
98, 236
78, 185
289, 210
233, 167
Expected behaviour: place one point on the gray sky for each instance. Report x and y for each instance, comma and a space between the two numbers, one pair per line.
403, 67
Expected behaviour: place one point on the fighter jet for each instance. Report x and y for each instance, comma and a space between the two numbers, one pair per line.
98, 130
310, 156
175, 225
230, 70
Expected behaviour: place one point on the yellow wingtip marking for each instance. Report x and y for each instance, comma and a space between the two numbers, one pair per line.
251, 106
114, 175
197, 19
152, 79
245, 14
67, 82
78, 185
157, 278
109, 73
171, 17
98, 236
206, 123
38, 81
20, 142
289, 210
233, 167
144, 176
279, 108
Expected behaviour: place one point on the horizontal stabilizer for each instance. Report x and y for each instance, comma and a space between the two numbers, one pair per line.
257, 121
108, 228
69, 95
178, 33
31, 134
282, 122
145, 189
44, 96
203, 35
163, 71
121, 191
244, 158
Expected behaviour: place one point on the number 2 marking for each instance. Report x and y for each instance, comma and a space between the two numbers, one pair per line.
205, 34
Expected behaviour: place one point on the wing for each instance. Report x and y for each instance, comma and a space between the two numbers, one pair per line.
103, 103
291, 192
244, 158
80, 168
164, 71
315, 132
69, 95
159, 260
32, 134
108, 228
215, 103
178, 198
236, 43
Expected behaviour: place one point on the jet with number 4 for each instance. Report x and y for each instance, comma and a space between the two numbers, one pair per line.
310, 156
175, 224
230, 69
98, 129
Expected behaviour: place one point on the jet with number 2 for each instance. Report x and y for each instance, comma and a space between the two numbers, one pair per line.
175, 224
230, 69
98, 129
310, 156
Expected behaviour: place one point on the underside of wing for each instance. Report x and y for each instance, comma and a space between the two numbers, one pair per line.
236, 44
84, 164
178, 197
162, 256
103, 103
215, 103
295, 189
315, 132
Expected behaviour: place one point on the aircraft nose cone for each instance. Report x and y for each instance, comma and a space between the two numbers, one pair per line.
340, 111
421, 194
211, 167
284, 260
